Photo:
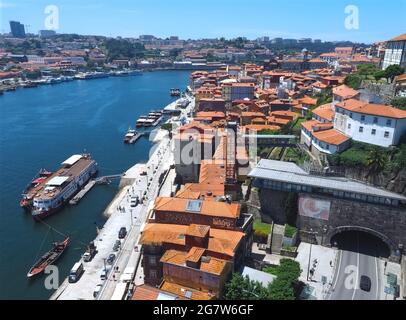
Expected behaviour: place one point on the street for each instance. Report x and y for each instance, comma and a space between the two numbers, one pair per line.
359, 255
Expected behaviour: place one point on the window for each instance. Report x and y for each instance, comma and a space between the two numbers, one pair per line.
351, 115
361, 129
375, 119
152, 261
327, 146
389, 122
349, 126
362, 118
386, 134
152, 274
373, 132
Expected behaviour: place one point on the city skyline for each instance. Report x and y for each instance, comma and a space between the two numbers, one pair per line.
131, 19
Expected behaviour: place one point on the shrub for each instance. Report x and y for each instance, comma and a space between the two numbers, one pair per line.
290, 231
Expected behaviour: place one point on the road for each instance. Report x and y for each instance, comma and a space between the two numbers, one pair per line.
156, 165
359, 255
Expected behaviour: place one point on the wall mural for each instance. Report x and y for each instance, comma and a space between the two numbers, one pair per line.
314, 208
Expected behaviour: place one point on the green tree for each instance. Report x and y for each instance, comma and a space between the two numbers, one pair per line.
281, 289
399, 159
392, 71
353, 81
399, 103
376, 160
242, 288
366, 69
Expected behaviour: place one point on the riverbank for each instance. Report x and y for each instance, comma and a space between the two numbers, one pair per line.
142, 181
69, 118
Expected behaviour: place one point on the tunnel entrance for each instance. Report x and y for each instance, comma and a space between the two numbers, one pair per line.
361, 241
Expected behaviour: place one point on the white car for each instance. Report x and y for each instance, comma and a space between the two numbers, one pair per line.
97, 290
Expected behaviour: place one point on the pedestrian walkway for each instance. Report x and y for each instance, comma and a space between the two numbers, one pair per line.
319, 276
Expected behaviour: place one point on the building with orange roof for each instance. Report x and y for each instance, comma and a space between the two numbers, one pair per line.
324, 113
376, 124
195, 270
221, 215
238, 91
213, 103
259, 127
209, 116
248, 116
319, 87
344, 52
344, 92
194, 241
146, 292
395, 52
185, 292
194, 142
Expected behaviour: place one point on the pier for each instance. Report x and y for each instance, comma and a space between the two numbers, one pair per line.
82, 192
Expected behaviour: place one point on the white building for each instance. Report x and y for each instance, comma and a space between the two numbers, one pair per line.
375, 124
333, 125
395, 52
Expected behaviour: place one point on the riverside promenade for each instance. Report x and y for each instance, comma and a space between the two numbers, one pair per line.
145, 181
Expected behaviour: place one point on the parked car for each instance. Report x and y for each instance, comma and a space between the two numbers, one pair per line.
122, 233
104, 273
111, 258
365, 283
97, 290
117, 246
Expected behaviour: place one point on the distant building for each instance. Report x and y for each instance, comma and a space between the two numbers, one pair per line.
395, 52
238, 91
46, 33
17, 29
147, 37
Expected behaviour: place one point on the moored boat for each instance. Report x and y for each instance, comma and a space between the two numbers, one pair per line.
37, 183
74, 173
48, 258
175, 92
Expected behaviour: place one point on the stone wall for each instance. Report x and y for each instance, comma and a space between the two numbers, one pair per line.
387, 223
272, 205
394, 181
384, 91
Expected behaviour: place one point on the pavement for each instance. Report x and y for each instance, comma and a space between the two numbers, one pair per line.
126, 267
323, 261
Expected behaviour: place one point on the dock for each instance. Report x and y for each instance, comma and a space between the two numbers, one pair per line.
82, 192
135, 138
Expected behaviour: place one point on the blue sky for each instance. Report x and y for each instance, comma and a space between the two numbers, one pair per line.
320, 19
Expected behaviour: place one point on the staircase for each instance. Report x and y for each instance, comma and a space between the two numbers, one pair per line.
277, 238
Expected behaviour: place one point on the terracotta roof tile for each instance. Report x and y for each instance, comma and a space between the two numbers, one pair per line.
345, 92
325, 111
372, 109
183, 291
209, 265
331, 136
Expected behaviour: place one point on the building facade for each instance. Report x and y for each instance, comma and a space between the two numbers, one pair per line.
395, 52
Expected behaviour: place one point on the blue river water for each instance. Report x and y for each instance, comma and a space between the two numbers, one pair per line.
40, 128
